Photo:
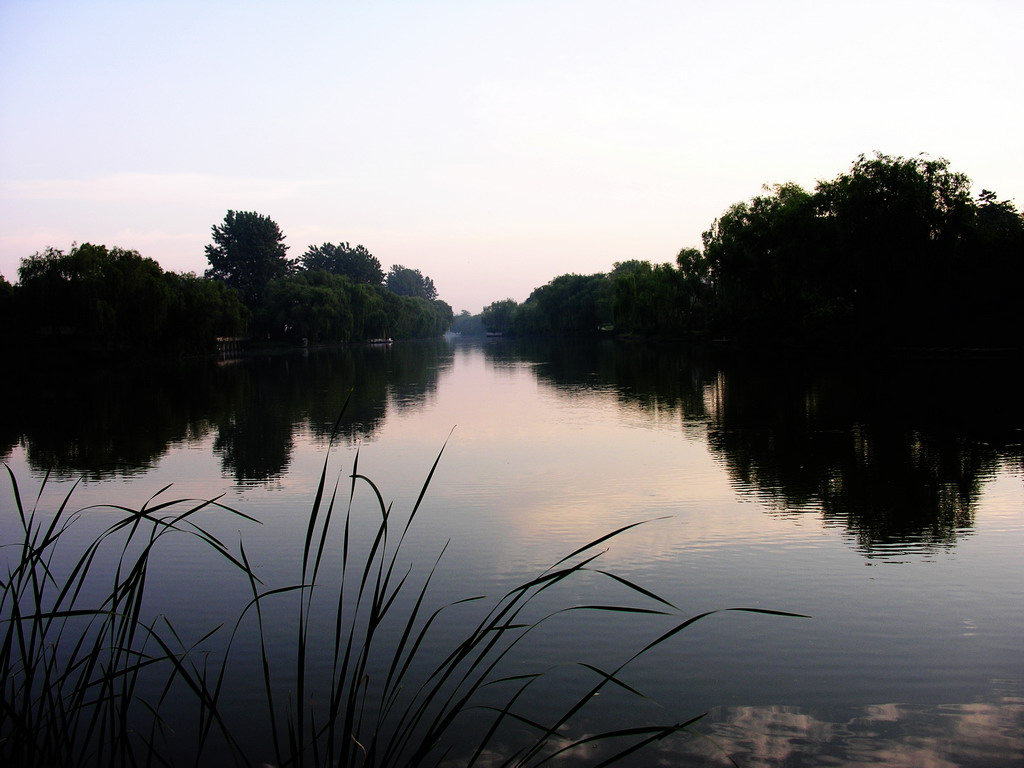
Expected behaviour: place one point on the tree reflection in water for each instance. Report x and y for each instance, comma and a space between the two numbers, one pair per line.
893, 448
119, 420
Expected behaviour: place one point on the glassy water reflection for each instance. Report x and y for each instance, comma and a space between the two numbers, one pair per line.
881, 496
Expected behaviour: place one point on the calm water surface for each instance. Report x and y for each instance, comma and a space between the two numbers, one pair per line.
884, 498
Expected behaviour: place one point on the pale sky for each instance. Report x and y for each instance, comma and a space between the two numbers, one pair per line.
492, 145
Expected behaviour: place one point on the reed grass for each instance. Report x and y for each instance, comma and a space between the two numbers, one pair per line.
73, 688
73, 665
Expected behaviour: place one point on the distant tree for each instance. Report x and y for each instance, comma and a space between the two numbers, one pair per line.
568, 305
633, 303
248, 251
468, 324
416, 318
997, 219
497, 316
410, 282
357, 264
324, 307
444, 316
623, 268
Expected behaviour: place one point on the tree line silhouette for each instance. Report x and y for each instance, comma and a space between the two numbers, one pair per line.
121, 419
894, 252
95, 299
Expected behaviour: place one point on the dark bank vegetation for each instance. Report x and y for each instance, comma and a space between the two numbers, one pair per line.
893, 252
95, 299
90, 678
468, 324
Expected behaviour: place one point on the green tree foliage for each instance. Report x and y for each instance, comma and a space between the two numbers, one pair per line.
444, 317
314, 305
568, 305
497, 316
660, 299
200, 311
370, 315
248, 251
636, 298
357, 264
894, 251
695, 277
762, 258
467, 324
410, 282
419, 318
896, 229
108, 296
95, 298
322, 307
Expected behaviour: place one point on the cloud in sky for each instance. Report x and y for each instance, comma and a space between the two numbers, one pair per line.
492, 145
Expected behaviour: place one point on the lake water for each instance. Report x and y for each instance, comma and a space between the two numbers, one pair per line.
884, 498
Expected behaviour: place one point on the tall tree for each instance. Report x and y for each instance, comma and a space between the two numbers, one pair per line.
410, 282
248, 251
357, 264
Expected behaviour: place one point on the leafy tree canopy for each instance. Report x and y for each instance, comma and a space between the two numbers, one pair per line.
99, 298
468, 324
410, 282
569, 305
497, 316
893, 251
624, 268
315, 305
322, 307
248, 251
357, 264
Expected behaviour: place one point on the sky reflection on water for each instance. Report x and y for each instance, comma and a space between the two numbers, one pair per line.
893, 735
